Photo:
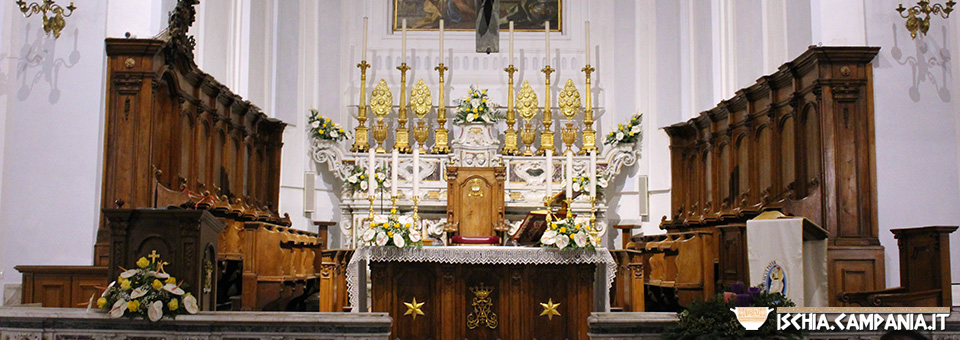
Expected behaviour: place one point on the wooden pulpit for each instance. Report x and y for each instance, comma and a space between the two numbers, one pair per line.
475, 204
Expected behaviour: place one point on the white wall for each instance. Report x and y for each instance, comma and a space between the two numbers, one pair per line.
51, 98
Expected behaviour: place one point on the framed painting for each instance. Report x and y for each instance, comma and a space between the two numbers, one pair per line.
461, 15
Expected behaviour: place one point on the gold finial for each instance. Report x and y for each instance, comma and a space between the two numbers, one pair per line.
569, 100
420, 99
381, 99
527, 101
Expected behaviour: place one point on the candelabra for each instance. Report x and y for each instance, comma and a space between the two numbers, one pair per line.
546, 136
589, 135
510, 136
440, 138
50, 25
360, 143
402, 143
916, 23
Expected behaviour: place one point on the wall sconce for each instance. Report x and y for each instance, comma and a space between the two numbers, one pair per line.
53, 24
916, 23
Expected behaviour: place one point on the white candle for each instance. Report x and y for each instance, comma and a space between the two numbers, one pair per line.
549, 173
363, 55
371, 179
441, 41
593, 173
511, 43
416, 172
587, 26
569, 175
546, 29
394, 170
404, 35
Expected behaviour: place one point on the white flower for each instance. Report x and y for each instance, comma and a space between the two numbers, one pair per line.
190, 304
108, 289
382, 239
387, 184
414, 235
580, 239
173, 289
380, 176
315, 124
368, 235
404, 220
576, 186
353, 178
118, 309
398, 240
602, 182
140, 291
155, 311
158, 275
548, 237
334, 134
127, 274
635, 129
475, 102
364, 185
562, 241
619, 136
379, 219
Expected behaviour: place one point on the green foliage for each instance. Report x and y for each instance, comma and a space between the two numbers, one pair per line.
712, 319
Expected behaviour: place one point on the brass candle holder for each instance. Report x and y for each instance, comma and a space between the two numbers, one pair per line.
402, 143
593, 220
361, 142
589, 135
381, 100
569, 103
569, 202
510, 136
527, 108
546, 136
421, 102
416, 213
440, 139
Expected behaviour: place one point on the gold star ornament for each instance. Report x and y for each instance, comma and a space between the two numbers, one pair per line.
413, 308
550, 309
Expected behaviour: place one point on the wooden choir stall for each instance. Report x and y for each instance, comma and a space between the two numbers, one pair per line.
799, 141
192, 172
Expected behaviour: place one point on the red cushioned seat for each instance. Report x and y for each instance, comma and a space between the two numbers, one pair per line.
476, 239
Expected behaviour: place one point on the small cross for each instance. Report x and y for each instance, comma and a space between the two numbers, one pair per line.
153, 256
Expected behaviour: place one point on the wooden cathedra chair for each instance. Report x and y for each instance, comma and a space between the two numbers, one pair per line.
475, 205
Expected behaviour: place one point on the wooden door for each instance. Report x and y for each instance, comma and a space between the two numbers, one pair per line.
475, 198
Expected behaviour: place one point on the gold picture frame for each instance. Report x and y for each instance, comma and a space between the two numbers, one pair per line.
461, 15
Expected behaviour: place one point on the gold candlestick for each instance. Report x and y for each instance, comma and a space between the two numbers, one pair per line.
393, 201
416, 212
589, 135
370, 198
510, 136
569, 207
360, 141
546, 136
593, 220
440, 138
402, 143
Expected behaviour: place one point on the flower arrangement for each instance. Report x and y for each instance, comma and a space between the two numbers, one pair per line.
624, 134
581, 184
323, 128
357, 181
712, 319
146, 292
568, 233
398, 231
476, 107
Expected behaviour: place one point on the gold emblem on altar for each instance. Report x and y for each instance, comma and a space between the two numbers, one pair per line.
569, 102
527, 108
475, 186
550, 309
483, 314
381, 100
413, 308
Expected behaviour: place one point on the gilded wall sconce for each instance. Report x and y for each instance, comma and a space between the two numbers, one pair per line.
918, 16
53, 22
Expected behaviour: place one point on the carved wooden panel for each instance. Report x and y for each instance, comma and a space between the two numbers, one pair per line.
475, 199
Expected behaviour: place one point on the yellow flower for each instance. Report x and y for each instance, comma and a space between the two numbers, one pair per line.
101, 302
407, 225
133, 306
563, 230
393, 210
157, 284
143, 262
319, 132
125, 284
341, 130
571, 236
362, 176
390, 233
172, 280
631, 133
484, 91
476, 116
173, 305
474, 109
553, 226
484, 100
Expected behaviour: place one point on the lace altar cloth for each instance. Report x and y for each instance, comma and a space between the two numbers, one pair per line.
478, 255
